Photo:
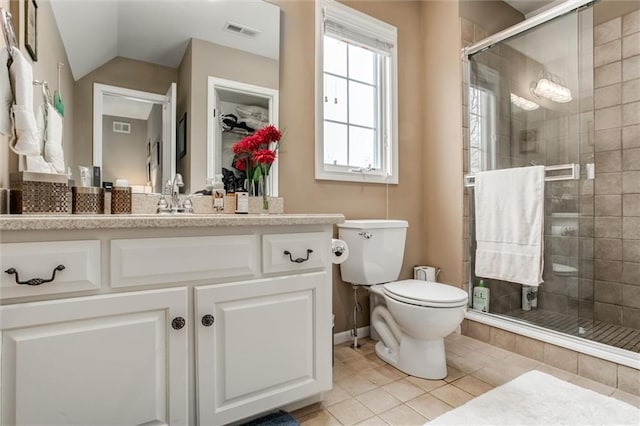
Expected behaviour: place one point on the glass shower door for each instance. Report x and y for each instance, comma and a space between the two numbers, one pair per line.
531, 103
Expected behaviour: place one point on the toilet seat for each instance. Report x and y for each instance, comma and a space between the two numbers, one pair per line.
426, 293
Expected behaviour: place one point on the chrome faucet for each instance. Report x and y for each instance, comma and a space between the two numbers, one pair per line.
175, 192
173, 188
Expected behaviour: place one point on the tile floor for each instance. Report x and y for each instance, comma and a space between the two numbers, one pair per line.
366, 391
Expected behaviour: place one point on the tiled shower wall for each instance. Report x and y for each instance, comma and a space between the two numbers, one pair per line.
617, 161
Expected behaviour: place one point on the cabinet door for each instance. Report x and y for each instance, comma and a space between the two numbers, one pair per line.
100, 360
269, 345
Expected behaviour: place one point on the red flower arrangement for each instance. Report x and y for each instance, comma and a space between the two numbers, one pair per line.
256, 153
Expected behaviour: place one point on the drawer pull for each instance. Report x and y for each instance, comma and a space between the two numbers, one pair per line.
177, 323
35, 281
207, 320
299, 259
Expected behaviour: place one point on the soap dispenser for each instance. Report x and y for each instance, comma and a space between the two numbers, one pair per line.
218, 193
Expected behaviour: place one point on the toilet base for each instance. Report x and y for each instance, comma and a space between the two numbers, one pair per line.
420, 358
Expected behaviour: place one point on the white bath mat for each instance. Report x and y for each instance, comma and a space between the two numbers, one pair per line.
537, 398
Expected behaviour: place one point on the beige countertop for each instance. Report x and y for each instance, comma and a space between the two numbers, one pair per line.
70, 222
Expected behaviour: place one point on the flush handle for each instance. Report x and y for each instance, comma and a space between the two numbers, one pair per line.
35, 281
298, 259
366, 235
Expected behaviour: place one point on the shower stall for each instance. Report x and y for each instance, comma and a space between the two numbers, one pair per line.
562, 90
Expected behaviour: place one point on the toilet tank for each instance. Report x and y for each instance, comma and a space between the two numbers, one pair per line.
376, 250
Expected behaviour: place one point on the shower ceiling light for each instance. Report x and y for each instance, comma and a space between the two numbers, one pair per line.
523, 103
550, 86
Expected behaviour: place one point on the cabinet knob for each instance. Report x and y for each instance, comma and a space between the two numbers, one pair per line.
177, 323
207, 320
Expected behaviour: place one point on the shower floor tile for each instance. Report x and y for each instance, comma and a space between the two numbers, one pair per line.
601, 332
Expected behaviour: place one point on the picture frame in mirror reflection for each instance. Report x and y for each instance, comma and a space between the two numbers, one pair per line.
31, 28
181, 137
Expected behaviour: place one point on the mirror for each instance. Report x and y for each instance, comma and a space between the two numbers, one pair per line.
145, 46
140, 124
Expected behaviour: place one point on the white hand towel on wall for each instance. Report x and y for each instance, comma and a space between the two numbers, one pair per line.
6, 96
509, 205
53, 152
21, 74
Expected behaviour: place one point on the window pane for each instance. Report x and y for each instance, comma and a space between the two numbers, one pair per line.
362, 151
335, 98
361, 64
335, 56
362, 104
335, 143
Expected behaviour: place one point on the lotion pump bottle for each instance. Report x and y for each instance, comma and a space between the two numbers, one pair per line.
218, 193
481, 297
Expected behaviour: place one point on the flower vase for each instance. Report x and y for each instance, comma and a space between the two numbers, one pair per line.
263, 191
250, 186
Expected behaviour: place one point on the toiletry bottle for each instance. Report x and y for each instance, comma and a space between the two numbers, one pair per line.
218, 193
242, 201
481, 297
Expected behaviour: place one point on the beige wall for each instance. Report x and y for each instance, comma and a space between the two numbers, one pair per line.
206, 61
125, 154
50, 52
183, 165
442, 116
304, 194
430, 193
119, 72
491, 15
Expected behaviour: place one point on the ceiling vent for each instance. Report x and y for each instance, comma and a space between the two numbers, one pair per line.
240, 29
121, 127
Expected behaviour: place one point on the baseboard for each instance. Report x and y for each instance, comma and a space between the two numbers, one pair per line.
345, 336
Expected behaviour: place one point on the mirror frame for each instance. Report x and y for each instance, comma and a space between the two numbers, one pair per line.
214, 131
168, 126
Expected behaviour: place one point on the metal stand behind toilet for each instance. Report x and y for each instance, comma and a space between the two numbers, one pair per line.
357, 307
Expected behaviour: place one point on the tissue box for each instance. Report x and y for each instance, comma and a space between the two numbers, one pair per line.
87, 200
38, 193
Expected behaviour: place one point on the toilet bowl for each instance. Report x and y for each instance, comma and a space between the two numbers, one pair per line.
410, 317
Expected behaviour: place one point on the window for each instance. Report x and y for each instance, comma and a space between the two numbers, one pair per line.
482, 129
356, 101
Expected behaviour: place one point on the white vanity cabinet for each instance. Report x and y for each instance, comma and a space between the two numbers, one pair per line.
183, 321
257, 344
116, 359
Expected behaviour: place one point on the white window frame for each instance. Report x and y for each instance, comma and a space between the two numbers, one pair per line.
388, 126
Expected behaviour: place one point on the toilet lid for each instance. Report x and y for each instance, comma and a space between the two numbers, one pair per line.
426, 293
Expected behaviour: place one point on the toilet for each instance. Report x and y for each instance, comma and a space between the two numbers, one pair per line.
410, 317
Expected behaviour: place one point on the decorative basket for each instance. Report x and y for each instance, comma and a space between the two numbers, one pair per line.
121, 200
87, 200
38, 193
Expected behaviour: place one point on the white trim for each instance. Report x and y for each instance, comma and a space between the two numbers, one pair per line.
588, 347
214, 141
345, 336
388, 33
100, 90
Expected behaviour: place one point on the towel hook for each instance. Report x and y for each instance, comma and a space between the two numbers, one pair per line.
46, 94
9, 34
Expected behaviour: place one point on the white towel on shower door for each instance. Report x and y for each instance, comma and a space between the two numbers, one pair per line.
509, 205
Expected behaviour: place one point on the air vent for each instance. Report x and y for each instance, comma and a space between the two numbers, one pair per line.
241, 29
121, 127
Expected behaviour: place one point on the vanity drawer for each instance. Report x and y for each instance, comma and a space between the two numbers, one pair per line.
81, 261
297, 247
149, 261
